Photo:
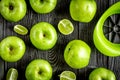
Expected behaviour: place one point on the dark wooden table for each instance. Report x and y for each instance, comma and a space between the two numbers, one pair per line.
83, 31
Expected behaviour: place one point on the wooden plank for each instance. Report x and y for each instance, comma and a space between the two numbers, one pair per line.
1, 69
1, 61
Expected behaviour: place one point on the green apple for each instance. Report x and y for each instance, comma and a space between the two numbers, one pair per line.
77, 54
43, 6
13, 10
12, 49
38, 69
102, 74
43, 36
83, 10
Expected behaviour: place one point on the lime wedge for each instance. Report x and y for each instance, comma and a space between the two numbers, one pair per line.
65, 26
12, 74
20, 29
67, 75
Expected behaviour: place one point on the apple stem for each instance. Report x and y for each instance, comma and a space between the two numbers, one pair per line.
41, 1
44, 35
11, 7
40, 72
11, 48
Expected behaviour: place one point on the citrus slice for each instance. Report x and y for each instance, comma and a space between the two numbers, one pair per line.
67, 75
12, 74
65, 26
20, 29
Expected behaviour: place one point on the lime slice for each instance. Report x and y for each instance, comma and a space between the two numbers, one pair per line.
20, 29
65, 26
12, 74
67, 75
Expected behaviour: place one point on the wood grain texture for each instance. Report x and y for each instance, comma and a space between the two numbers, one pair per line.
83, 31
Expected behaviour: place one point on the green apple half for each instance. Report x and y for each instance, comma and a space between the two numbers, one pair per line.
83, 10
43, 36
38, 69
43, 6
102, 74
12, 49
13, 10
77, 54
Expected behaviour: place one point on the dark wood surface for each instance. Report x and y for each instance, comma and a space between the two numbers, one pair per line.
83, 31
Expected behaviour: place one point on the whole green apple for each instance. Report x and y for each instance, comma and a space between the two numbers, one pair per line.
83, 10
12, 49
102, 74
38, 69
13, 10
77, 54
43, 6
43, 36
